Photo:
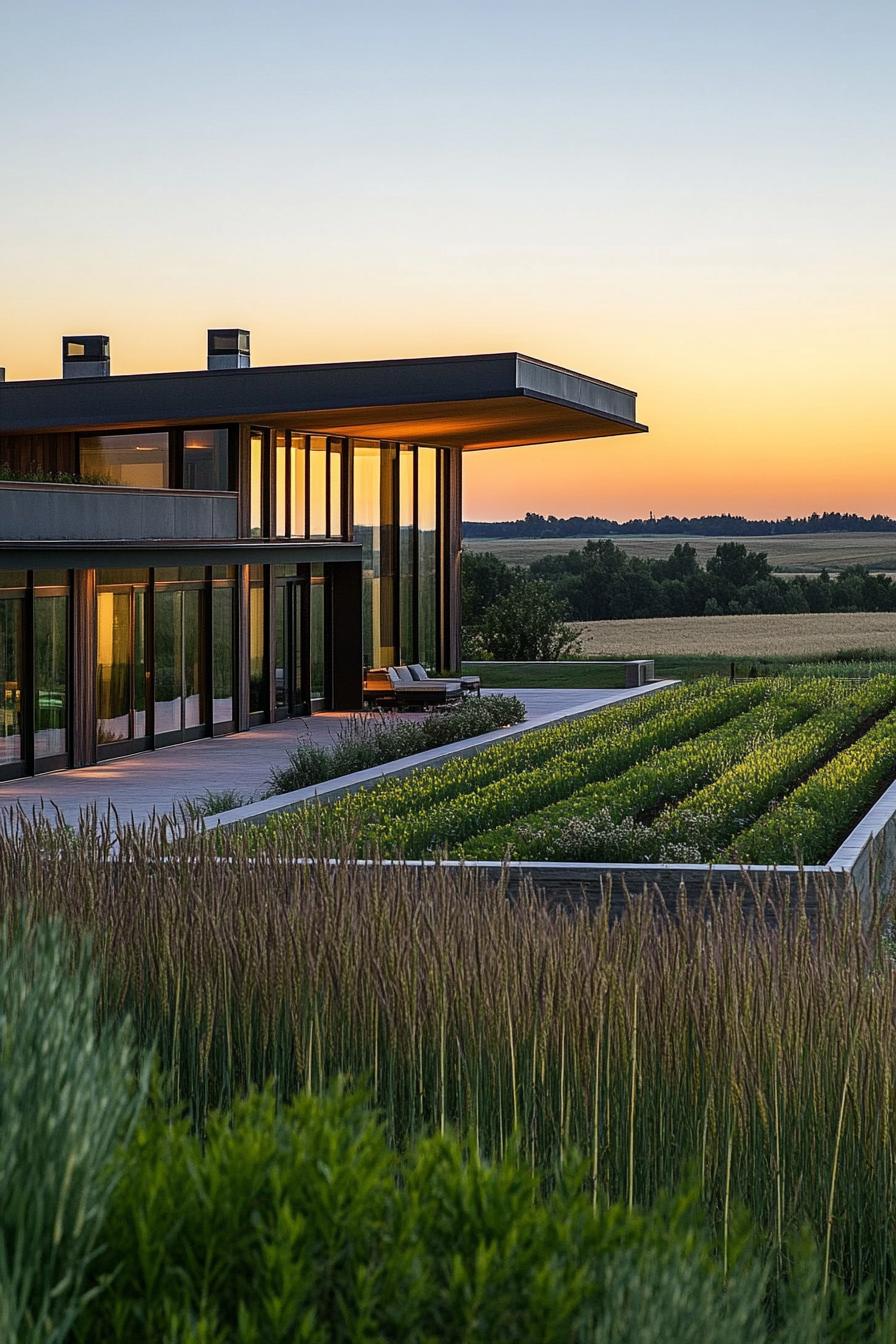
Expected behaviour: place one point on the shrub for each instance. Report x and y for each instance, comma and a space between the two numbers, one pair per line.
66, 1099
367, 741
301, 1223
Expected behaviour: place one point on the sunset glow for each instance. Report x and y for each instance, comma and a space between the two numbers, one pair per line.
693, 202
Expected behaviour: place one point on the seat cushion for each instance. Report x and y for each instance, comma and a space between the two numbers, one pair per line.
403, 673
418, 672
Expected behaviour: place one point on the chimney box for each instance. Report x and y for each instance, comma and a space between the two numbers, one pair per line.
85, 357
228, 348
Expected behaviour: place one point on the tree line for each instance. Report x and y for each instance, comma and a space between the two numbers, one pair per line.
513, 612
707, 525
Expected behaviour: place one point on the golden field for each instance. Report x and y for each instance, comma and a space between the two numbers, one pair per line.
802, 554
740, 636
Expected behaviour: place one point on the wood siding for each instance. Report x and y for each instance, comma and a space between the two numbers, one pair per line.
39, 452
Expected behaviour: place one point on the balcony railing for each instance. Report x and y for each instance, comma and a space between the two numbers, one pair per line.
32, 512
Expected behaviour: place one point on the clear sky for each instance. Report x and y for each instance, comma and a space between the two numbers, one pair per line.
694, 200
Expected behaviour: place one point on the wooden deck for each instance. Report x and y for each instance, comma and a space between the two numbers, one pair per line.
157, 782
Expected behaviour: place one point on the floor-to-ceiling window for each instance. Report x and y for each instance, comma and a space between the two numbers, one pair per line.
407, 543
179, 602
34, 670
374, 510
256, 484
222, 645
257, 641
291, 671
12, 669
397, 516
427, 556
318, 634
317, 485
51, 667
121, 671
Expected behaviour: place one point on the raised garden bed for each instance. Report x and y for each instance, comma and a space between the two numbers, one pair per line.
769, 771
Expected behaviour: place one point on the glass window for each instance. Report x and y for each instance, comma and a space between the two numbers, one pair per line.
298, 521
193, 661
114, 661
257, 702
11, 675
318, 639
168, 641
427, 556
51, 676
206, 459
318, 485
139, 662
138, 460
256, 484
222, 655
280, 499
373, 518
13, 578
406, 548
335, 488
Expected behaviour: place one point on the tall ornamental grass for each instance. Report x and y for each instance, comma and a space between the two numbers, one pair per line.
67, 1097
738, 1044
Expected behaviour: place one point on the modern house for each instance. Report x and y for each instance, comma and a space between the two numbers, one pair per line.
237, 544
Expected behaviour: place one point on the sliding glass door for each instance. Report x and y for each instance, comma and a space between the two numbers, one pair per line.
181, 704
291, 693
121, 671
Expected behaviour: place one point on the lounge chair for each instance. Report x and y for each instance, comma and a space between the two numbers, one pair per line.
468, 684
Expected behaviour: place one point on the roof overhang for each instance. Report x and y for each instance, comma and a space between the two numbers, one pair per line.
470, 401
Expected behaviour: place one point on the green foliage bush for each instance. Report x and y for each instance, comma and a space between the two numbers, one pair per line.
67, 1097
369, 741
300, 1223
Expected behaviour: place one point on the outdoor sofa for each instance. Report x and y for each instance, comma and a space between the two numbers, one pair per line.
395, 686
468, 684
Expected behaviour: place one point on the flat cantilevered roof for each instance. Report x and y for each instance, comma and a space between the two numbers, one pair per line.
467, 401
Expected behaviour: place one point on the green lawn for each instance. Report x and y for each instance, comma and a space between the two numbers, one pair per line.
576, 674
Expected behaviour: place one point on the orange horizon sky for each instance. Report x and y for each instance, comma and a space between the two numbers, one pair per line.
695, 204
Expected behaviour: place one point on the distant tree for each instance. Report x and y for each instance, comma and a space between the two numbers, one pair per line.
734, 565
485, 578
528, 625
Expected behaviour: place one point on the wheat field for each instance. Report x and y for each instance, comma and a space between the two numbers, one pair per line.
740, 636
801, 554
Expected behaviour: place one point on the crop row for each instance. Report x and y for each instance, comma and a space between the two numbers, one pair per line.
661, 778
470, 810
715, 814
807, 825
424, 788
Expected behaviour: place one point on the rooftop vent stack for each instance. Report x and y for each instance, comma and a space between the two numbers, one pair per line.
85, 357
2, 375
228, 348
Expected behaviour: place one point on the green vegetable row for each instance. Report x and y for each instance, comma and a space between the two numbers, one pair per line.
663, 777
455, 818
424, 788
807, 825
738, 797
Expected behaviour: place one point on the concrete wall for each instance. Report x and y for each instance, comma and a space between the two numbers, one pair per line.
31, 512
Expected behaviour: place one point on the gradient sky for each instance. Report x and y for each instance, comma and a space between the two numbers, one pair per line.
694, 200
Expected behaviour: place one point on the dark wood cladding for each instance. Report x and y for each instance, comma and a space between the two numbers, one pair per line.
49, 453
